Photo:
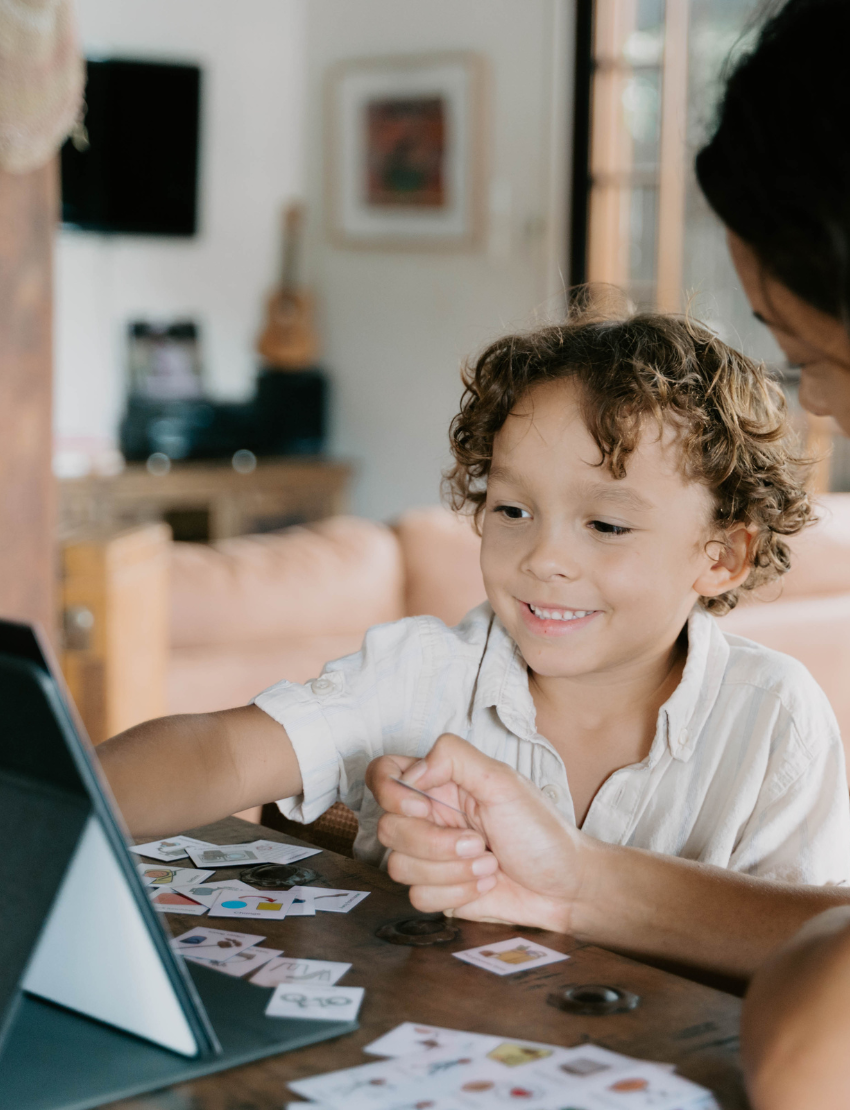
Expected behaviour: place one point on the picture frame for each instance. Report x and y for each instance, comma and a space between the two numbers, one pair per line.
405, 152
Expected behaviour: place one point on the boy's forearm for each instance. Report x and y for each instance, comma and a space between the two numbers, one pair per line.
675, 909
179, 772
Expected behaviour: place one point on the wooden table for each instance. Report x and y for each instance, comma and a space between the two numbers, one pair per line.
208, 501
677, 1021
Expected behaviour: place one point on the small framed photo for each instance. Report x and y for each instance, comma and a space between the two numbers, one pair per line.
405, 152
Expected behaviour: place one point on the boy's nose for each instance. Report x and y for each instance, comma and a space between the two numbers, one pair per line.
550, 558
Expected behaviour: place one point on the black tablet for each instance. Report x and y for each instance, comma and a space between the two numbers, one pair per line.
94, 1004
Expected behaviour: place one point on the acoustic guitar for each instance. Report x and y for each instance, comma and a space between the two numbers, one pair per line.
289, 341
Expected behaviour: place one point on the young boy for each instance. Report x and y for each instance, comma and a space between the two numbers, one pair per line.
630, 478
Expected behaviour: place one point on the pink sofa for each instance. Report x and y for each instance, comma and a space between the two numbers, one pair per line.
248, 611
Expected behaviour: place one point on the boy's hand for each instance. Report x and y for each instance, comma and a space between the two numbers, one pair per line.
531, 873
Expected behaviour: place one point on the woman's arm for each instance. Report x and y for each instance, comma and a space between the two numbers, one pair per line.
175, 773
542, 871
796, 1021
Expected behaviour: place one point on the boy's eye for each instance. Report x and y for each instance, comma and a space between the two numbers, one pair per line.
609, 529
512, 512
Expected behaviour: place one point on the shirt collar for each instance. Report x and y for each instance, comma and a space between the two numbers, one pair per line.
503, 684
688, 707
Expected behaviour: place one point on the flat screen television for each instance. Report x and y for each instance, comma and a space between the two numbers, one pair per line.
139, 173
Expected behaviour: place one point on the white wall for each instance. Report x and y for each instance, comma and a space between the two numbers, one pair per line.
251, 162
397, 324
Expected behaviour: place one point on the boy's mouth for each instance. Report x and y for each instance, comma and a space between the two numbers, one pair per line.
559, 614
550, 620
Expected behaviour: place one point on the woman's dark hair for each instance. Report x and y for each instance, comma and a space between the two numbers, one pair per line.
777, 171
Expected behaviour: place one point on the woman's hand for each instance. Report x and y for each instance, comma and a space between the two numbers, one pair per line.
517, 860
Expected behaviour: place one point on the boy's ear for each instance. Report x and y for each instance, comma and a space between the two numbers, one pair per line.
731, 561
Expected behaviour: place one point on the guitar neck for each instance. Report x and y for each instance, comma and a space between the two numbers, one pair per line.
293, 219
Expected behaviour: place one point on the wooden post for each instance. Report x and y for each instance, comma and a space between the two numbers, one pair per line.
673, 157
610, 147
28, 210
115, 600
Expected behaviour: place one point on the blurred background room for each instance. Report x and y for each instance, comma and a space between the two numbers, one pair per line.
284, 225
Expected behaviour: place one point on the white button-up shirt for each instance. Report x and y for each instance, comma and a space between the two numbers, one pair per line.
746, 770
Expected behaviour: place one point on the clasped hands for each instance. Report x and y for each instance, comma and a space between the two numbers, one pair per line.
518, 860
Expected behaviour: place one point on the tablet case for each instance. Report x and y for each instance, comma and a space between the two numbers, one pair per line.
50, 785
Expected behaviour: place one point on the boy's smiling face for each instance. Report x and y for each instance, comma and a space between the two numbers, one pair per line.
588, 573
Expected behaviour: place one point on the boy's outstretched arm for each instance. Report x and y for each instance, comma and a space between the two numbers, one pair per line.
175, 773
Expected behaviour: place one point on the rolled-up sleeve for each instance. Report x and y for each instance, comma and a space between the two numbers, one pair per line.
360, 707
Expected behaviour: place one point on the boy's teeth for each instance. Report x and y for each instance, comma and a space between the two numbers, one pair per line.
559, 614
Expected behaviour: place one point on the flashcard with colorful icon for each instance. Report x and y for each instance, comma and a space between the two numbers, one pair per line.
509, 956
214, 944
258, 851
171, 900
242, 964
209, 893
322, 972
303, 904
153, 875
388, 1083
265, 905
174, 847
306, 1000
644, 1086
337, 901
273, 852
410, 1038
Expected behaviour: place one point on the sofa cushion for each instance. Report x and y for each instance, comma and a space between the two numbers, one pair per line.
440, 551
814, 630
334, 578
206, 679
820, 555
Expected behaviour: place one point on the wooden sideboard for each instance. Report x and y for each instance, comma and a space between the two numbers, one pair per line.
210, 500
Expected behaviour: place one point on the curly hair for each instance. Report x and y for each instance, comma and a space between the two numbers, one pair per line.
731, 417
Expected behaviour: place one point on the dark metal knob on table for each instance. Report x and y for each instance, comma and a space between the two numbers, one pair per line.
418, 931
278, 876
594, 999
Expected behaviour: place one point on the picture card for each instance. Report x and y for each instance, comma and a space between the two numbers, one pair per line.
174, 847
303, 904
239, 855
306, 1000
287, 970
410, 1038
240, 965
546, 1077
387, 1083
152, 875
509, 956
337, 901
171, 900
269, 905
214, 944
208, 893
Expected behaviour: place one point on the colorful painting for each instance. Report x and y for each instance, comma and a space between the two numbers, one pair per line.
406, 151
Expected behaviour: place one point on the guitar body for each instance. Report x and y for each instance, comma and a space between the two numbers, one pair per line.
288, 340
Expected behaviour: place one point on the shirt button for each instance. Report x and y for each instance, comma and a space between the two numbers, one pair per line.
684, 737
321, 685
552, 792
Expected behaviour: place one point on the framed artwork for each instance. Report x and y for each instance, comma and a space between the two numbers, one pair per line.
405, 152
